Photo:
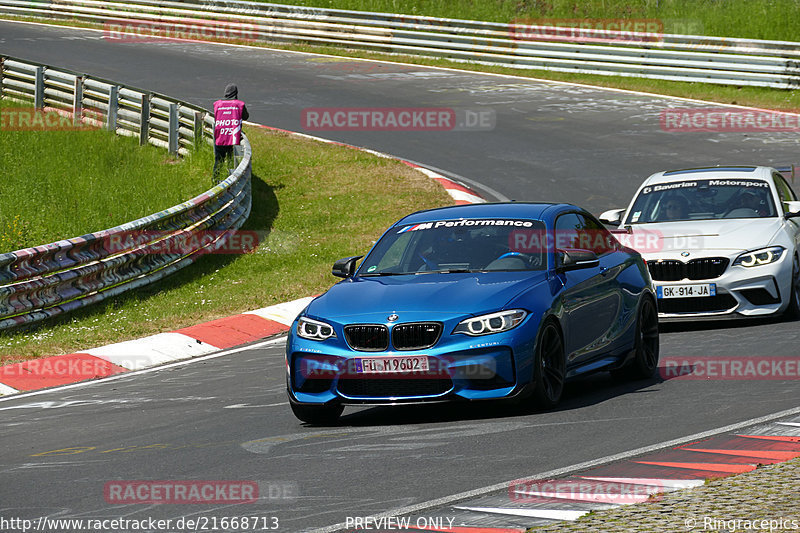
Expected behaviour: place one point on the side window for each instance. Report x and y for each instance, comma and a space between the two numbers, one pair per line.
601, 240
792, 195
568, 230
785, 192
782, 193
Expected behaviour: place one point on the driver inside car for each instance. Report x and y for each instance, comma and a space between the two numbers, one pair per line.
749, 200
675, 208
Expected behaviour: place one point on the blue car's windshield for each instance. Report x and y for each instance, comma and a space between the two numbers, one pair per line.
702, 200
458, 246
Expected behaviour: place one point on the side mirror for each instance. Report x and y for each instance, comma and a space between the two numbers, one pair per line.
575, 259
612, 217
793, 209
345, 268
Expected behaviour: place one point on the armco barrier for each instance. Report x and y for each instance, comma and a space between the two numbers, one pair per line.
517, 44
37, 283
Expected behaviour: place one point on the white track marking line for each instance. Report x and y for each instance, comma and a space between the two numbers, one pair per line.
568, 469
547, 514
116, 377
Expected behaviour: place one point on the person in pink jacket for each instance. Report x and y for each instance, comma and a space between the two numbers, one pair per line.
228, 116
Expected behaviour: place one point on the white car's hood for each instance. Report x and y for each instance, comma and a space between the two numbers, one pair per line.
732, 235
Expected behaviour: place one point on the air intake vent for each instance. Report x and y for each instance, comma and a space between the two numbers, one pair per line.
416, 336
367, 337
696, 269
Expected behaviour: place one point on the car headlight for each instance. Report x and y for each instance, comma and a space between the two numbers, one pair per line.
314, 329
760, 257
492, 323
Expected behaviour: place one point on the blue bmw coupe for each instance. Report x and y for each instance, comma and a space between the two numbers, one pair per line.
474, 302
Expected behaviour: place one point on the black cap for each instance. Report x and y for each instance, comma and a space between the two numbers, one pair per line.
231, 91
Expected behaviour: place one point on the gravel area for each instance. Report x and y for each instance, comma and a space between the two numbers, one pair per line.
765, 499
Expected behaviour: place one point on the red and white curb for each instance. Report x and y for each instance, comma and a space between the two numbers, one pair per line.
537, 502
461, 195
147, 352
185, 343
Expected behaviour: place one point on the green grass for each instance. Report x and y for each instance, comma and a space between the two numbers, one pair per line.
755, 19
314, 202
62, 184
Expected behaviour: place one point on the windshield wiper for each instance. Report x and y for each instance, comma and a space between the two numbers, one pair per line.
451, 271
376, 274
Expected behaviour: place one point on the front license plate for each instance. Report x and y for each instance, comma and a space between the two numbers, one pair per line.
687, 291
384, 365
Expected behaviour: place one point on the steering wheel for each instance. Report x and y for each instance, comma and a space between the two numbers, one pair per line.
512, 254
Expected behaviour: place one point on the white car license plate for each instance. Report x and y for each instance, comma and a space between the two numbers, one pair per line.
686, 291
383, 365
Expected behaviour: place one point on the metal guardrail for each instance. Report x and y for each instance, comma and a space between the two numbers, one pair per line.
44, 281
649, 55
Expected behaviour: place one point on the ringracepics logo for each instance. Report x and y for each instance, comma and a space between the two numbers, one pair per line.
397, 119
730, 368
588, 30
126, 30
32, 119
585, 490
728, 120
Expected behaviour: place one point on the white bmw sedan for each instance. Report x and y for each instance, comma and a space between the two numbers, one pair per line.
720, 242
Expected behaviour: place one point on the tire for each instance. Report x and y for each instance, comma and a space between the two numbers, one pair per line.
549, 368
317, 415
646, 345
793, 310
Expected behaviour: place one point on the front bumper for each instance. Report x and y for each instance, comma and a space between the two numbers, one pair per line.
471, 369
741, 292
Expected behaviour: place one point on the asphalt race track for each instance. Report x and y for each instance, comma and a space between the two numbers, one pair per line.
226, 418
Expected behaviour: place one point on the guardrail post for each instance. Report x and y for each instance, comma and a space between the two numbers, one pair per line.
198, 129
2, 68
113, 108
173, 129
77, 101
144, 120
38, 88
